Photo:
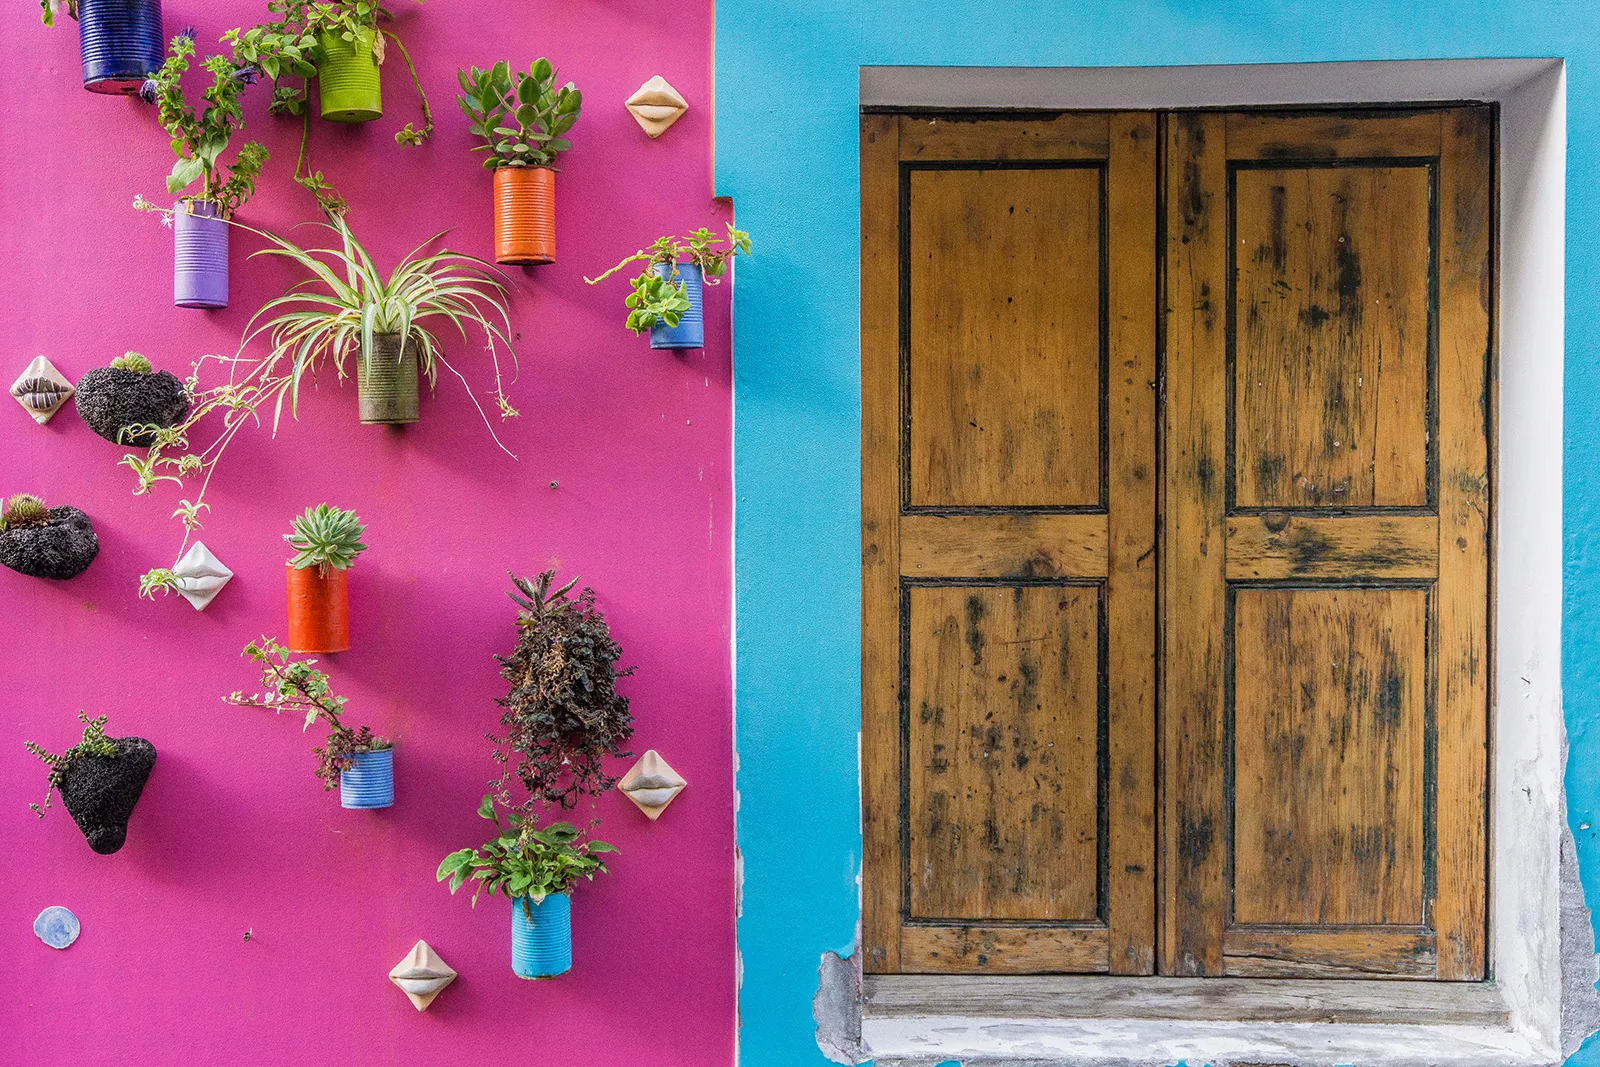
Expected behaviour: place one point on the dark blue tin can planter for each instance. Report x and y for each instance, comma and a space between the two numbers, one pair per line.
200, 255
370, 782
541, 948
121, 43
691, 329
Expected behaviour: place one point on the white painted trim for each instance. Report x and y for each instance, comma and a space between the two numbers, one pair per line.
1528, 728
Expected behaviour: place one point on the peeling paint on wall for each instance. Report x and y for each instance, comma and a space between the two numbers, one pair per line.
837, 1007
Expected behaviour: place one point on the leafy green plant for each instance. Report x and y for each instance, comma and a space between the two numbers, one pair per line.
665, 299
200, 137
325, 537
24, 511
331, 316
297, 686
521, 115
94, 743
563, 714
525, 861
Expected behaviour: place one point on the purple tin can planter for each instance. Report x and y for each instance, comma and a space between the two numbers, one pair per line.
691, 330
200, 256
121, 43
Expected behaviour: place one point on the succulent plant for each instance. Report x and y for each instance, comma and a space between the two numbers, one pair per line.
133, 361
23, 512
325, 537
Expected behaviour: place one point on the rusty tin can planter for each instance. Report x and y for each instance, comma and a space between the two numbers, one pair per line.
199, 255
319, 609
121, 43
691, 329
541, 948
386, 382
524, 215
348, 86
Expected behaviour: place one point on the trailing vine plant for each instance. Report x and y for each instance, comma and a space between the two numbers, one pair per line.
563, 715
94, 743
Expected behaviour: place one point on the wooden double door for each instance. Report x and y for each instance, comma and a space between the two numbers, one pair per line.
1175, 542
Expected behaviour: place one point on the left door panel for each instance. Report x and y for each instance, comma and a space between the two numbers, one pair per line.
1008, 533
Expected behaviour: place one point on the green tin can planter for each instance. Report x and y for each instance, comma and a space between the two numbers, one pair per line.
347, 80
386, 379
541, 936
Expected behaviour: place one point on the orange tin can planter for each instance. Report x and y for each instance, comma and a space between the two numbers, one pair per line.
524, 215
319, 609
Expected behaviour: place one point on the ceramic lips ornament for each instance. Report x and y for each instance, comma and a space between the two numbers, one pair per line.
652, 784
41, 390
656, 106
422, 974
201, 576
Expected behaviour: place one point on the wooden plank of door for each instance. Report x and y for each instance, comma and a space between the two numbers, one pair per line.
1013, 545
880, 565
1193, 818
1466, 288
1263, 135
1353, 952
979, 949
1073, 135
1276, 545
1131, 583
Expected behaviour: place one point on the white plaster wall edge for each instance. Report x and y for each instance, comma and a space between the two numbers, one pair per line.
1528, 729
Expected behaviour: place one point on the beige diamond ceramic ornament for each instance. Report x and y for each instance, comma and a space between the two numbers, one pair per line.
656, 106
422, 974
652, 784
200, 575
41, 390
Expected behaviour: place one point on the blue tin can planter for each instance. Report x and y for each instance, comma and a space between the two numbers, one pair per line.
370, 782
691, 329
541, 948
199, 256
121, 43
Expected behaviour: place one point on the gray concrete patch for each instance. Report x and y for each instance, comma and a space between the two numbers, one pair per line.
837, 1008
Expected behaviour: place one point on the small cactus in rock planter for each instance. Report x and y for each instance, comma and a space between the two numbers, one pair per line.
129, 400
45, 542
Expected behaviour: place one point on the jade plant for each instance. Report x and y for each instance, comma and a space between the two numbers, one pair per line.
563, 714
525, 861
295, 685
521, 116
201, 137
325, 537
662, 295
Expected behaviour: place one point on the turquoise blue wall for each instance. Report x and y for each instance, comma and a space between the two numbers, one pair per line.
786, 150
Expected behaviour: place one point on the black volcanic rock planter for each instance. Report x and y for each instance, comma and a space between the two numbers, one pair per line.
100, 791
41, 542
130, 393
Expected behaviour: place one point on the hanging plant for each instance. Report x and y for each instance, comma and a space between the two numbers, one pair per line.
563, 714
120, 40
45, 542
200, 139
100, 780
667, 293
522, 119
356, 760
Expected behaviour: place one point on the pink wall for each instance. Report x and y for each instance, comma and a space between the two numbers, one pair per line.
234, 834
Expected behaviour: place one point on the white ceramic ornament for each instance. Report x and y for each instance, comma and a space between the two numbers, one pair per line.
41, 390
652, 784
656, 106
201, 576
422, 974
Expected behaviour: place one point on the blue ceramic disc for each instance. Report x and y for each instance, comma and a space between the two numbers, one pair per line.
56, 927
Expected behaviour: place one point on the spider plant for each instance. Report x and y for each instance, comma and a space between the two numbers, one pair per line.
346, 308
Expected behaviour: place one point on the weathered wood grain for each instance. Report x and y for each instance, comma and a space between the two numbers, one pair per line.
1074, 135
1466, 652
1263, 135
880, 543
1005, 337
996, 950
1356, 952
1277, 545
1329, 701
1008, 545
1331, 358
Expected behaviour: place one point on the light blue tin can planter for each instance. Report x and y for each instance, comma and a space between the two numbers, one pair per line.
369, 783
121, 43
691, 329
541, 948
199, 256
